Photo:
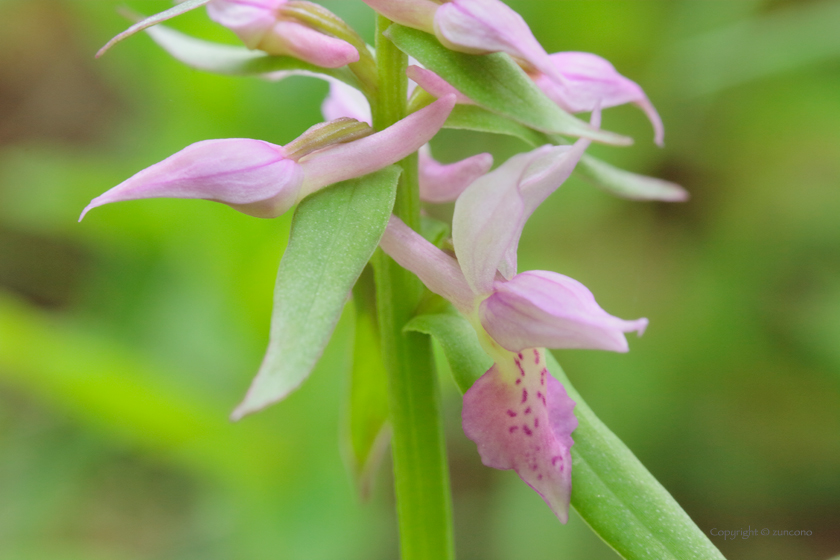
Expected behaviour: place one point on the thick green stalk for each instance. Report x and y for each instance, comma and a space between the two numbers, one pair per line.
421, 475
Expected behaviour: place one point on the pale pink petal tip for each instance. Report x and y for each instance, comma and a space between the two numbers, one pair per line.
541, 308
587, 80
521, 418
434, 84
251, 176
441, 183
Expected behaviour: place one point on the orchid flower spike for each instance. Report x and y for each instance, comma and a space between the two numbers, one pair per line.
264, 180
439, 182
260, 24
471, 26
587, 81
519, 416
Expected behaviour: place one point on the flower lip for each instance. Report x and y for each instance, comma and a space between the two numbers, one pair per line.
546, 309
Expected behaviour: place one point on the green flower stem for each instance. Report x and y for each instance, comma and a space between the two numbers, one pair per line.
421, 475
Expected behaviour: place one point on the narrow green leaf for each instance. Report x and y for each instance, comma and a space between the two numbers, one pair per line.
626, 184
498, 84
616, 495
470, 117
239, 61
600, 173
365, 430
176, 10
334, 233
460, 344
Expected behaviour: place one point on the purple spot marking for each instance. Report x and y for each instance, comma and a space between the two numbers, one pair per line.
555, 459
524, 395
534, 467
536, 423
528, 410
520, 355
521, 369
536, 356
527, 430
539, 477
511, 413
542, 398
518, 381
513, 429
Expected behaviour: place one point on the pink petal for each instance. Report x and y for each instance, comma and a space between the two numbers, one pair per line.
345, 101
521, 418
366, 155
540, 308
434, 84
249, 19
589, 81
491, 212
444, 182
417, 14
297, 40
252, 176
256, 23
437, 270
487, 26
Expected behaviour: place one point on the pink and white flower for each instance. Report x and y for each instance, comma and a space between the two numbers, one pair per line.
519, 416
263, 179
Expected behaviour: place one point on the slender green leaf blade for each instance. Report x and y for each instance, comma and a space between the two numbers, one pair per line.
176, 10
460, 344
471, 117
365, 430
611, 489
334, 234
239, 61
496, 83
626, 184
600, 173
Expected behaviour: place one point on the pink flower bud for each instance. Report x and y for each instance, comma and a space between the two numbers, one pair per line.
258, 24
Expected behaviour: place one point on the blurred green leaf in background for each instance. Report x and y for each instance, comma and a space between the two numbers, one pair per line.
126, 341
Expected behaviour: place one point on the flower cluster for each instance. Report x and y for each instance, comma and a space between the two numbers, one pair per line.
519, 416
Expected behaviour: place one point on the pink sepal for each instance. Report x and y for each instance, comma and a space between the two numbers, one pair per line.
491, 212
345, 101
441, 183
521, 418
252, 176
589, 81
256, 23
541, 308
487, 26
437, 270
434, 84
417, 14
366, 155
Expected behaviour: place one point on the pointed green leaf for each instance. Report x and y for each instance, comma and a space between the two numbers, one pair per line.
470, 117
460, 344
626, 184
600, 173
365, 431
334, 233
498, 84
176, 10
611, 489
239, 61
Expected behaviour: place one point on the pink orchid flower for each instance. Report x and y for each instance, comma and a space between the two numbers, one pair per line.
259, 24
471, 26
519, 416
263, 179
439, 182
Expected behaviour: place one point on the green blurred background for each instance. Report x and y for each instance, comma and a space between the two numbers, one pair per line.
126, 340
